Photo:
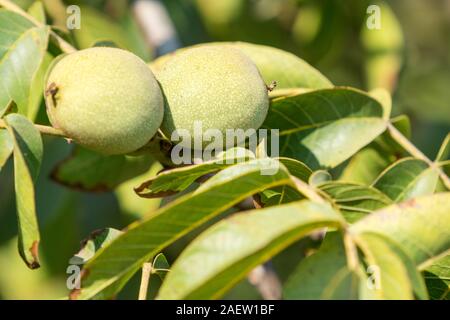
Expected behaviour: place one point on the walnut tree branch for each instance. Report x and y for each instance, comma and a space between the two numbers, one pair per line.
145, 279
42, 129
412, 150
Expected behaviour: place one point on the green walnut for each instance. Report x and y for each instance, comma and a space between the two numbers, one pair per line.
105, 99
216, 86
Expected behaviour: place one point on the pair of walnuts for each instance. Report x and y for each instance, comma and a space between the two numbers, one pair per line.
108, 100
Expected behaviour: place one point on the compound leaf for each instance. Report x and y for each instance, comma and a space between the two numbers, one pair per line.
225, 253
146, 238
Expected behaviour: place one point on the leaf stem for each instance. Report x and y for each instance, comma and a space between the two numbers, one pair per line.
42, 129
351, 251
145, 279
307, 190
63, 44
412, 150
287, 92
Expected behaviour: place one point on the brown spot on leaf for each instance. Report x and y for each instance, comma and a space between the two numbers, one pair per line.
75, 293
140, 190
94, 234
152, 195
411, 203
34, 250
84, 273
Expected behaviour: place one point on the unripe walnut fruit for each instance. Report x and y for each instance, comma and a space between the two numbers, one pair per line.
218, 86
105, 99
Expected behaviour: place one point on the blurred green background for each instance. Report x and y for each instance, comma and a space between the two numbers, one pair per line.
409, 56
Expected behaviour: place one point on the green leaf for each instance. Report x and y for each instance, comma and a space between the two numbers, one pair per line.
279, 195
130, 203
296, 168
344, 286
109, 292
36, 94
288, 70
323, 128
37, 11
12, 26
319, 276
96, 240
437, 278
89, 246
406, 179
6, 147
28, 152
160, 266
90, 171
368, 164
98, 27
148, 237
419, 225
355, 201
179, 179
226, 252
365, 166
22, 50
319, 177
444, 151
137, 39
286, 194
384, 97
388, 144
396, 276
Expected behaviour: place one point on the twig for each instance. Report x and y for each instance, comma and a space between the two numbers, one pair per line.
42, 129
412, 150
63, 44
265, 279
56, 9
351, 251
156, 25
146, 273
307, 190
